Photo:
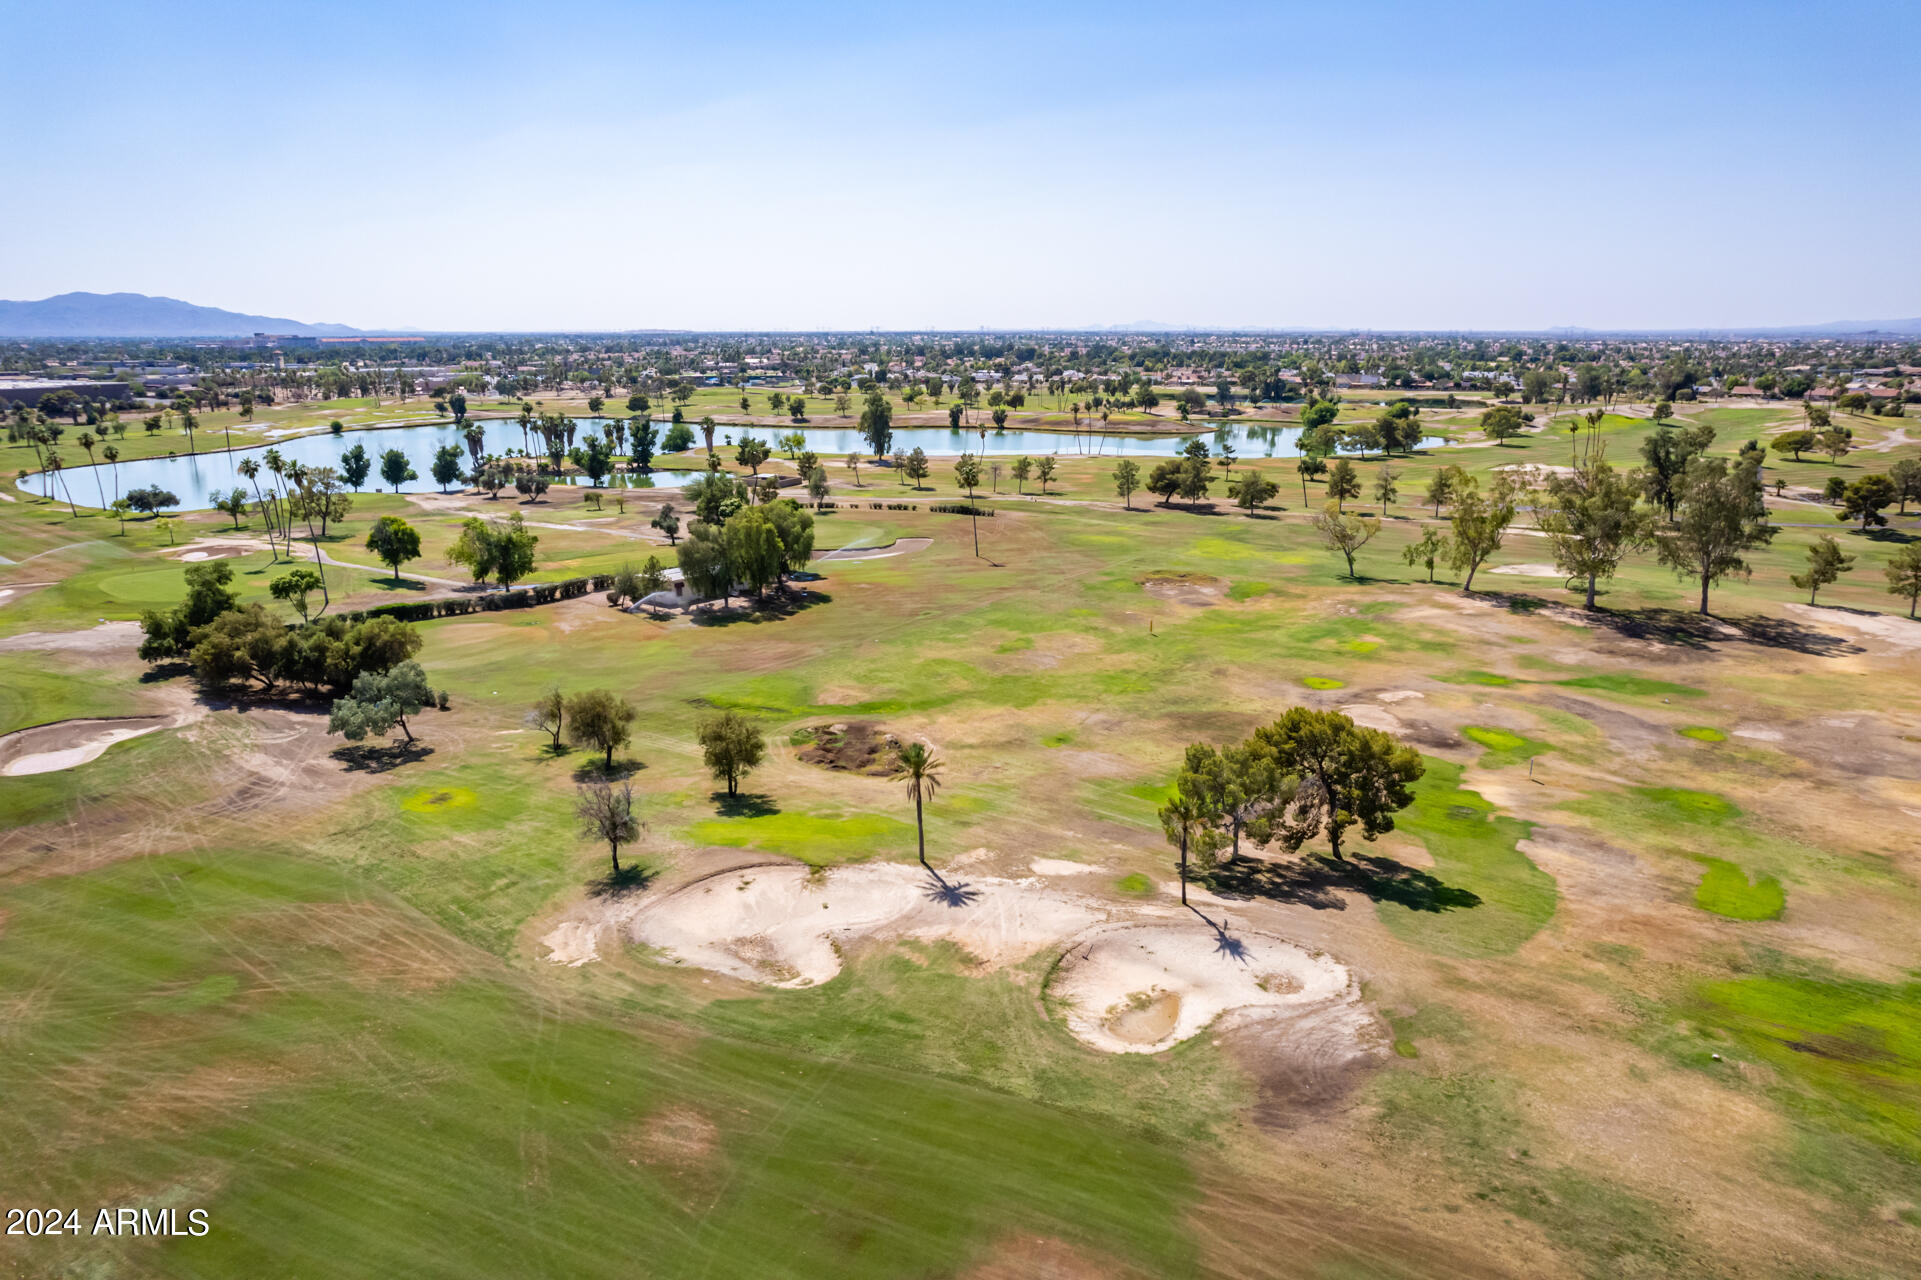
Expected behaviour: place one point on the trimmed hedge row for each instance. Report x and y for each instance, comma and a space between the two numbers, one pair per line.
492, 602
961, 509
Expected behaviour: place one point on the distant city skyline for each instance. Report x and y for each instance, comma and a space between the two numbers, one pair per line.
594, 166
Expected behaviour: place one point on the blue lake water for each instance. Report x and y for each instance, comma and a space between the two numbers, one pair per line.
194, 478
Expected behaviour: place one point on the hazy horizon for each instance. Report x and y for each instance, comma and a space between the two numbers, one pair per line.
598, 167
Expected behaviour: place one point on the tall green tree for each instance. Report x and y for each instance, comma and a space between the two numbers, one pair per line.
1479, 524
394, 542
1345, 533
380, 701
1593, 519
1347, 776
396, 470
704, 563
1865, 499
753, 548
602, 720
1343, 482
732, 747
1127, 480
1716, 524
1826, 563
446, 467
1430, 548
1904, 574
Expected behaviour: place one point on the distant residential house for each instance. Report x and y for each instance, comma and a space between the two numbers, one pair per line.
1746, 393
1357, 379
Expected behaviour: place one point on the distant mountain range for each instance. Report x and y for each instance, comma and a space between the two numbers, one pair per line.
135, 315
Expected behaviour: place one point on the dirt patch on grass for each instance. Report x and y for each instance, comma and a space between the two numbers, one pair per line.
1197, 589
1042, 1258
679, 1139
853, 747
366, 944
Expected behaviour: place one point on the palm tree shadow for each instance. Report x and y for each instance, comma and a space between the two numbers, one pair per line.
1225, 943
958, 894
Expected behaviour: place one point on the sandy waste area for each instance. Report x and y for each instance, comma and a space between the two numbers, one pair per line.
1132, 978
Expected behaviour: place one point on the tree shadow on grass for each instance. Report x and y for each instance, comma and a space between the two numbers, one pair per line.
1314, 882
168, 670
771, 608
631, 878
745, 805
366, 758
596, 770
1687, 628
1385, 880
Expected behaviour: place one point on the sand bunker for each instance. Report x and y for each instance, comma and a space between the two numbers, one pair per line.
784, 925
1142, 988
897, 548
107, 638
1533, 569
63, 745
1369, 716
1894, 629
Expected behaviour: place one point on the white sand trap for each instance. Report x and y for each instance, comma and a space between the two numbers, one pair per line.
1398, 695
1898, 631
68, 743
108, 638
1146, 987
1532, 569
1062, 867
897, 548
574, 943
1757, 732
1372, 717
783, 925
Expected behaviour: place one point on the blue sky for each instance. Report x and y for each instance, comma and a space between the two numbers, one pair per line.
741, 165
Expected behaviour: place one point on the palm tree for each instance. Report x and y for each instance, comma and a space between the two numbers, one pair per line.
250, 469
1181, 819
923, 780
112, 455
87, 442
54, 467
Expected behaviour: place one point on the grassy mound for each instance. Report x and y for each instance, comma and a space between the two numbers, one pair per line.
1726, 891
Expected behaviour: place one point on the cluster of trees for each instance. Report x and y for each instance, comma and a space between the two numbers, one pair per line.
1309, 773
1702, 515
249, 650
597, 719
731, 543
